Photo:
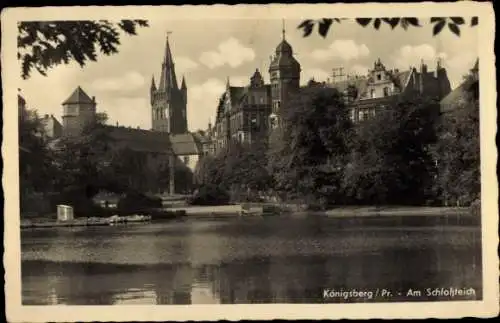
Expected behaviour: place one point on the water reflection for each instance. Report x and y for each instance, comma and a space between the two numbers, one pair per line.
241, 261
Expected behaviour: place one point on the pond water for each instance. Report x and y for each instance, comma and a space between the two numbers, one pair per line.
247, 260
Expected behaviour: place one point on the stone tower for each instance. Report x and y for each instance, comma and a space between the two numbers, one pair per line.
284, 73
78, 110
168, 101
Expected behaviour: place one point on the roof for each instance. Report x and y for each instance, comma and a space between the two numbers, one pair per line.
201, 137
237, 93
140, 139
450, 101
78, 96
184, 144
284, 47
361, 82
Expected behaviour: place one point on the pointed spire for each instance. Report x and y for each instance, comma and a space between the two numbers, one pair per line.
228, 85
283, 28
168, 79
183, 84
168, 54
153, 84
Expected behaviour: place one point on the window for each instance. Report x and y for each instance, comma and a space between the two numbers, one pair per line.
379, 77
363, 114
372, 93
353, 115
261, 99
386, 91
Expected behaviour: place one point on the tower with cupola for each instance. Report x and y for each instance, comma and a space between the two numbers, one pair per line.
284, 73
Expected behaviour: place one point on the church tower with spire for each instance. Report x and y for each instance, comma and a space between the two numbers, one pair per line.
284, 73
168, 101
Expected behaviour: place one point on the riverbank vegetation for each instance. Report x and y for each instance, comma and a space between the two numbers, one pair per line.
406, 154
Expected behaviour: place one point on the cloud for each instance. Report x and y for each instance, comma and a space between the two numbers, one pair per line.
209, 89
184, 64
230, 52
129, 82
458, 65
129, 111
409, 55
345, 49
460, 60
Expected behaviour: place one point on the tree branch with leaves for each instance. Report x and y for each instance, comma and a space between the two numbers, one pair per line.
324, 25
45, 44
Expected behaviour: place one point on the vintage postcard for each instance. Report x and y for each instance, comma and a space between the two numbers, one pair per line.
319, 161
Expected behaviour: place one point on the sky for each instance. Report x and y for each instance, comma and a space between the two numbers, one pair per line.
207, 52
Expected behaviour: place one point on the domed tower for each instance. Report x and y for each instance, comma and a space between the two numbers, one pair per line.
285, 77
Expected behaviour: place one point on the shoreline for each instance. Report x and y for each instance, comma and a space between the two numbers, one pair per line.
356, 215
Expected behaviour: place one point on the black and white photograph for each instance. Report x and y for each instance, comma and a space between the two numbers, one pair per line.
288, 155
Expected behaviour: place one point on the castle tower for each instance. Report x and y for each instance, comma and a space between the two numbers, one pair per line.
284, 73
78, 110
168, 102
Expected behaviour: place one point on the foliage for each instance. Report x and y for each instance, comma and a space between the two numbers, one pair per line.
242, 165
454, 24
210, 194
390, 160
307, 156
45, 44
35, 161
83, 161
134, 202
458, 150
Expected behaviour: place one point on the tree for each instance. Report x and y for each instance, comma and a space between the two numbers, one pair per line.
307, 156
84, 160
45, 44
35, 162
454, 24
391, 160
458, 152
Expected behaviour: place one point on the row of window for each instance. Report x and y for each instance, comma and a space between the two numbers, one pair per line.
362, 114
386, 92
159, 114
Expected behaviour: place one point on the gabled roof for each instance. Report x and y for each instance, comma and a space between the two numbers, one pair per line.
78, 96
140, 139
184, 144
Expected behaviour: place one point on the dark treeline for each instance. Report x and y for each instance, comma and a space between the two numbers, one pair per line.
406, 154
72, 170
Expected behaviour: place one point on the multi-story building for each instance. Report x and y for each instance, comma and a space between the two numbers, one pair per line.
381, 86
247, 113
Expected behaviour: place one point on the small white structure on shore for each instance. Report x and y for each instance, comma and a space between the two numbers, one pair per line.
64, 213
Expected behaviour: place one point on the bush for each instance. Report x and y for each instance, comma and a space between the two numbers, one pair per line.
210, 195
137, 202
